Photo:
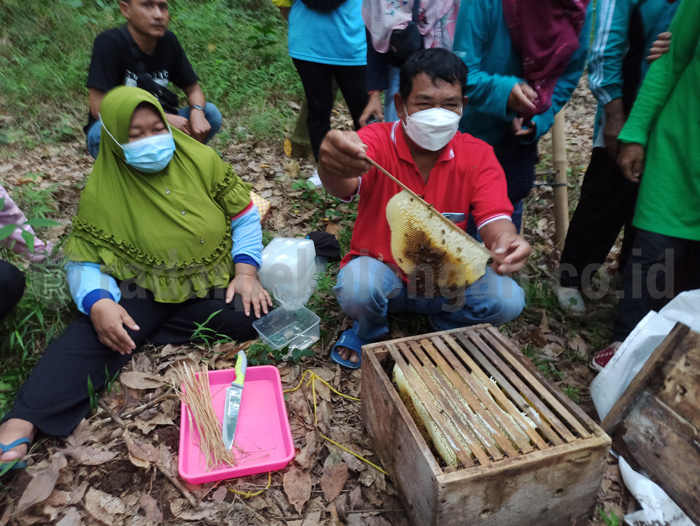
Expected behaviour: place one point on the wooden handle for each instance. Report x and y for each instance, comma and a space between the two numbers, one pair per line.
444, 219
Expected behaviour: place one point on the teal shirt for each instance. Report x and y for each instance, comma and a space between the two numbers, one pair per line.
611, 44
482, 41
336, 38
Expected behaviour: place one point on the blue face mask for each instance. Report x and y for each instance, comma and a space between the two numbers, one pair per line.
149, 155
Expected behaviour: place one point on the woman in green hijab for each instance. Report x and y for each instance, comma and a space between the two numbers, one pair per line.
166, 239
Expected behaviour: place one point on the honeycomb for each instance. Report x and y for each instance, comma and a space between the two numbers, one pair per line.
434, 253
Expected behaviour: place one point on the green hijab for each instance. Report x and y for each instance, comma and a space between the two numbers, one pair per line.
169, 231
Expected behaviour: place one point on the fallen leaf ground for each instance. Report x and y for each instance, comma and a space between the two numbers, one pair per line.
118, 466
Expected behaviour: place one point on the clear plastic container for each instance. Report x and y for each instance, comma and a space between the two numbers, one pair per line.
288, 269
290, 325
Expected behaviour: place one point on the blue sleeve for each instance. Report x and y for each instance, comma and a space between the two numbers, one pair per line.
609, 48
568, 80
88, 285
488, 93
378, 67
247, 238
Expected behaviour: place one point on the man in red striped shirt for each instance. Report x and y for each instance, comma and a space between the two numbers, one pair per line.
456, 173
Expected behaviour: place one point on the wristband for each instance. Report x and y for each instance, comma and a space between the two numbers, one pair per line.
198, 107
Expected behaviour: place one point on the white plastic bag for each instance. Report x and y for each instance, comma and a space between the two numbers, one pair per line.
657, 506
612, 381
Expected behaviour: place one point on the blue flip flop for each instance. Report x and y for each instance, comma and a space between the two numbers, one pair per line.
350, 340
15, 464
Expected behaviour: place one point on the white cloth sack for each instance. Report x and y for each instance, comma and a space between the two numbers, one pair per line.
657, 506
612, 381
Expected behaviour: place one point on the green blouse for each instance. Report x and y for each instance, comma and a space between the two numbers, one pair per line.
666, 120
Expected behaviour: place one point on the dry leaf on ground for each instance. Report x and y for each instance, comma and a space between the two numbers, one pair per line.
333, 480
71, 518
89, 456
41, 486
103, 506
151, 508
297, 486
141, 453
136, 380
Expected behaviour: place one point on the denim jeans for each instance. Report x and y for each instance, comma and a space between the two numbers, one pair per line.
389, 109
368, 291
211, 112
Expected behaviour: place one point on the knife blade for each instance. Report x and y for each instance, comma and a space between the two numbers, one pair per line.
234, 392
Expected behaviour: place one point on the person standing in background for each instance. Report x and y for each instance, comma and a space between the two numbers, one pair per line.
435, 21
620, 57
525, 59
326, 42
658, 146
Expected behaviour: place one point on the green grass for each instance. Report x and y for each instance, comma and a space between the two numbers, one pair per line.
237, 47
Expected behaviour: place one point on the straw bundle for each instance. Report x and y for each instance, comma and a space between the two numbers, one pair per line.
196, 395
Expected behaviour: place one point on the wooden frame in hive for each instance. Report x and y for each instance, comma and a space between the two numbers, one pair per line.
552, 477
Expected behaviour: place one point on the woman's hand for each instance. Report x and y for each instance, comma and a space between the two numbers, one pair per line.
374, 107
247, 284
522, 98
109, 318
660, 47
631, 161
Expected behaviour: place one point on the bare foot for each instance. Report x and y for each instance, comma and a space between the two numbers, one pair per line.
346, 353
10, 431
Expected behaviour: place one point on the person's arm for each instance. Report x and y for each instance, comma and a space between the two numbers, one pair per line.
605, 65
88, 284
247, 259
510, 250
488, 92
97, 295
105, 71
664, 74
199, 126
567, 82
609, 48
342, 162
10, 214
378, 67
247, 238
95, 97
658, 85
492, 212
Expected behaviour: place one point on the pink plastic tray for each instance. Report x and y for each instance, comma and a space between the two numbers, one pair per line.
263, 428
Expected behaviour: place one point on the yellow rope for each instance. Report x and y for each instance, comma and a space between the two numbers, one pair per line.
312, 381
248, 494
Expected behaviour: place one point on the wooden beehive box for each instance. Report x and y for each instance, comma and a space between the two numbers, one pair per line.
551, 479
655, 424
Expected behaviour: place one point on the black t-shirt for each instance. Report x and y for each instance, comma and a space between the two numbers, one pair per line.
112, 64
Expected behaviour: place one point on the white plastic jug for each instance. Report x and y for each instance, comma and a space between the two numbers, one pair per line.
288, 269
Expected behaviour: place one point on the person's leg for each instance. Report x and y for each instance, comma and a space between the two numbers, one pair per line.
317, 80
517, 216
93, 139
352, 81
12, 285
648, 278
389, 108
606, 205
55, 397
224, 319
367, 290
492, 299
213, 116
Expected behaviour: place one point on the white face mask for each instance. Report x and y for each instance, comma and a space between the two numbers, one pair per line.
432, 129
